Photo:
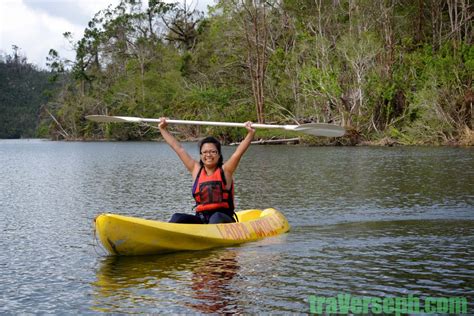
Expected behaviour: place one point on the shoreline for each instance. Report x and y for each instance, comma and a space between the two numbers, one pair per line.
293, 141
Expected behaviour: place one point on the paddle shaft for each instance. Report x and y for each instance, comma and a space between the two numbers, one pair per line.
315, 129
223, 124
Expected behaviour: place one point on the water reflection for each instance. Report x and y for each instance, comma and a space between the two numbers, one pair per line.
199, 281
211, 283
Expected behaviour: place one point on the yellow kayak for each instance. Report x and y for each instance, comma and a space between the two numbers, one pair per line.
130, 236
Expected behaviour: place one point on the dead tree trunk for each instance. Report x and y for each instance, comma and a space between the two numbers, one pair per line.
256, 34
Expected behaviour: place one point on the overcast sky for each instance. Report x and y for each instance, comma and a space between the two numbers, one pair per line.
36, 26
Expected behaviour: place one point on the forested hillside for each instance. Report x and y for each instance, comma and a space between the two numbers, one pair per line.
23, 89
385, 69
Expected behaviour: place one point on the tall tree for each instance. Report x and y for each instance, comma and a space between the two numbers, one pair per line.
256, 35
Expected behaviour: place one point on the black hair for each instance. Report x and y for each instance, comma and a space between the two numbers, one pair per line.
214, 141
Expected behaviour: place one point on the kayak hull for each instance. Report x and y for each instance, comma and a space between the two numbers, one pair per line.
130, 236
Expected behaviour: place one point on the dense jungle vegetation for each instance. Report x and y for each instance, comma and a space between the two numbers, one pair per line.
23, 89
390, 71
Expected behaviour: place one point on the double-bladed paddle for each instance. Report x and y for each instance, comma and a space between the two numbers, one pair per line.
315, 129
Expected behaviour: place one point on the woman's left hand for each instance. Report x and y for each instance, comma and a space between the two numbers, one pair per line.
248, 126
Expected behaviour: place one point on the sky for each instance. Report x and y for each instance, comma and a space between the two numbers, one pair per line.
36, 26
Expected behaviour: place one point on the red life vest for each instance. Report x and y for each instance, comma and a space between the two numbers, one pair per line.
210, 192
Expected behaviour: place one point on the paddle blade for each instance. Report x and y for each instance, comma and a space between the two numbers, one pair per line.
113, 119
320, 129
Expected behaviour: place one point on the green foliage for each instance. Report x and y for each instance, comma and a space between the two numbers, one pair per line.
22, 89
467, 56
379, 68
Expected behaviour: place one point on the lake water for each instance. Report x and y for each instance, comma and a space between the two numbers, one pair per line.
374, 222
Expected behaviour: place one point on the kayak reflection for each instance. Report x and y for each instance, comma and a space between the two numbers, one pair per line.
181, 282
212, 286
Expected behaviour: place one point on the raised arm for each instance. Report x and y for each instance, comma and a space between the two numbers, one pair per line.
231, 165
187, 160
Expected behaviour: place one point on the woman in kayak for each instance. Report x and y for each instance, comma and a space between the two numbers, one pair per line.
213, 187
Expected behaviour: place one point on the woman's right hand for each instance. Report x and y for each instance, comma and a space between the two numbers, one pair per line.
163, 124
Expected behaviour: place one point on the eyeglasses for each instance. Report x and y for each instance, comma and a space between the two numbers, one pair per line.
209, 153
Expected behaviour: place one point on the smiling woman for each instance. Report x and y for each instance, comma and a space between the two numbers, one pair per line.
213, 188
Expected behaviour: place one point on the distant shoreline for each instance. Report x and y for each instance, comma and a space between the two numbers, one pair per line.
304, 142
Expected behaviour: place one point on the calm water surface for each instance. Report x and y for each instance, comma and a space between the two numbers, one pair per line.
365, 221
